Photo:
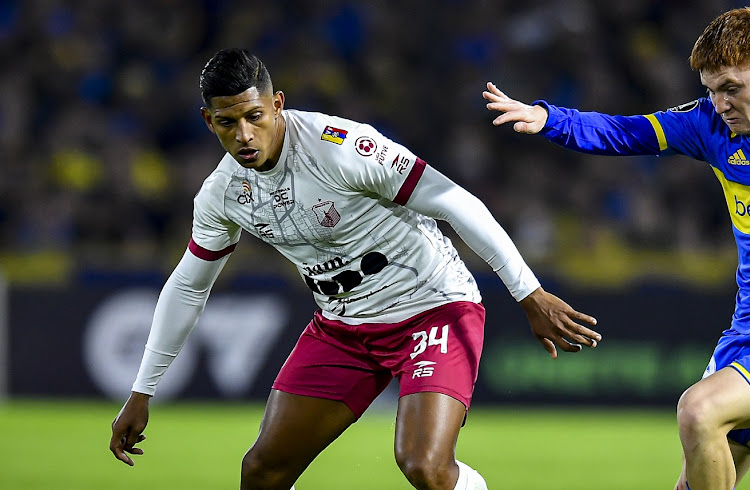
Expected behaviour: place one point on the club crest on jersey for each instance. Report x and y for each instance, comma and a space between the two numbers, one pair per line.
334, 135
365, 146
327, 214
247, 193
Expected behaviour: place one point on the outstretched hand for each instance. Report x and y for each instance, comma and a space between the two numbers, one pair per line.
128, 426
528, 119
554, 323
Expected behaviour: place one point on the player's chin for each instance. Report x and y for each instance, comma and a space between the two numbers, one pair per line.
247, 162
738, 127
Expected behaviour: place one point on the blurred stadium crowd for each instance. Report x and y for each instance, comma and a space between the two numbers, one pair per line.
103, 147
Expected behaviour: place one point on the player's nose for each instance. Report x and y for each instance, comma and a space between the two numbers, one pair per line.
244, 131
721, 104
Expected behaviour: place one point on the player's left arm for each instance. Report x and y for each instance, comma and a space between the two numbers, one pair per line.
383, 167
679, 129
552, 321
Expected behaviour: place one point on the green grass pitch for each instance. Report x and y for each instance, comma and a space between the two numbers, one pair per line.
61, 445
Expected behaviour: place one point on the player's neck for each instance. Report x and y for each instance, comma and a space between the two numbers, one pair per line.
278, 138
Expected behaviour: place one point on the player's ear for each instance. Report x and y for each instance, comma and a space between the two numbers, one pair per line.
278, 103
206, 115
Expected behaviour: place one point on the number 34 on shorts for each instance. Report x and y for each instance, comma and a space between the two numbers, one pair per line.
424, 340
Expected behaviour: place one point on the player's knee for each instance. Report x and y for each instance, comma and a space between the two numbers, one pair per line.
258, 474
426, 470
696, 415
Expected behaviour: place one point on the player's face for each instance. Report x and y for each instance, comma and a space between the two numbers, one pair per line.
729, 90
249, 126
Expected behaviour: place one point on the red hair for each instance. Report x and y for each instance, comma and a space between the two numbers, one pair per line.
725, 42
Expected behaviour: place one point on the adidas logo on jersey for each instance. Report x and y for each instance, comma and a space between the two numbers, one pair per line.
738, 158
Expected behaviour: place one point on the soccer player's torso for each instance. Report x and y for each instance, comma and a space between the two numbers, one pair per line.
698, 131
328, 206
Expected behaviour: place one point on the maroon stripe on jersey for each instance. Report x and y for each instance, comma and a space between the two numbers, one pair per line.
411, 182
209, 255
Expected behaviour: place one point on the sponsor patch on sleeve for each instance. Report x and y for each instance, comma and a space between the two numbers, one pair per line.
334, 135
365, 146
686, 107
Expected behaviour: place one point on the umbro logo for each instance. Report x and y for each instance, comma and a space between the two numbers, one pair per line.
738, 158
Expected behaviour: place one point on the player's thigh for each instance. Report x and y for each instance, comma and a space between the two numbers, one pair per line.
297, 428
329, 362
724, 396
427, 425
440, 351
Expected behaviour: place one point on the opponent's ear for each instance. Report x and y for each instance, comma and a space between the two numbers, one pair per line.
206, 115
278, 103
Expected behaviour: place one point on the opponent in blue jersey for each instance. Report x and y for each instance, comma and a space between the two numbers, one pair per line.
713, 414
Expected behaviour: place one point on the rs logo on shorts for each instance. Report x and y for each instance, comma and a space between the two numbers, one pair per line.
423, 369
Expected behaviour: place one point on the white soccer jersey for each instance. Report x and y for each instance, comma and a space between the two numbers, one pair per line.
337, 206
355, 212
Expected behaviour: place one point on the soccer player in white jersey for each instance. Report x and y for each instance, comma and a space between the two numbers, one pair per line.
354, 211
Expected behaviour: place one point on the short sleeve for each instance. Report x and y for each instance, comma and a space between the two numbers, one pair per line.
213, 233
376, 164
679, 128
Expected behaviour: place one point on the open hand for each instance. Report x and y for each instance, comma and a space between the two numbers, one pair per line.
528, 119
555, 324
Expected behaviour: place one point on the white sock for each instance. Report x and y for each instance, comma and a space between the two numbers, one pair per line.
469, 478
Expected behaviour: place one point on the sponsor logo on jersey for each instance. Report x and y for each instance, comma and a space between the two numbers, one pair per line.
334, 135
327, 266
247, 193
686, 107
281, 198
327, 214
400, 163
738, 158
264, 230
423, 369
345, 281
737, 196
365, 146
380, 156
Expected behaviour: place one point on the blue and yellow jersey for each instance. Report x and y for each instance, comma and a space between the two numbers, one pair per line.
693, 129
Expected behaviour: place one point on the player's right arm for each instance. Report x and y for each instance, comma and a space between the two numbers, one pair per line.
180, 304
177, 311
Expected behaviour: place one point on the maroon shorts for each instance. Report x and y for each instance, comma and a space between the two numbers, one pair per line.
437, 350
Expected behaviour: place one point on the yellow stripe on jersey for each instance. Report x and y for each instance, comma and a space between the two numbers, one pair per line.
742, 370
661, 138
738, 201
